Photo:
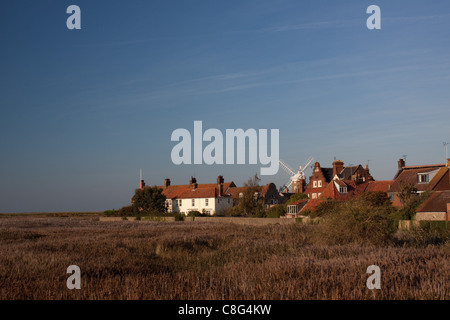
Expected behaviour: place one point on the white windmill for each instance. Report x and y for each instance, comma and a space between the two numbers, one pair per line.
295, 176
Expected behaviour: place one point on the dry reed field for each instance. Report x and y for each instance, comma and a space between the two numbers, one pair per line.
205, 260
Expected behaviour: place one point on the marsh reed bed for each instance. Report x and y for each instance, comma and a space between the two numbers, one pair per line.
206, 260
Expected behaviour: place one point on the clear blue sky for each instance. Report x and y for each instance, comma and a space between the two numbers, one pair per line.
82, 110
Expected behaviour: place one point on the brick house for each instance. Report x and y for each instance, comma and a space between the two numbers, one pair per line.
433, 177
350, 175
338, 183
435, 208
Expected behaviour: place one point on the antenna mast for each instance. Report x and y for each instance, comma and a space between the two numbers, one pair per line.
446, 149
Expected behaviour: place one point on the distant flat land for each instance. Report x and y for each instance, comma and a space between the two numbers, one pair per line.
204, 260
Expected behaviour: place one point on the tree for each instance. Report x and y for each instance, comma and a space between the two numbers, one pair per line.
250, 204
376, 198
411, 200
253, 181
296, 197
407, 193
149, 200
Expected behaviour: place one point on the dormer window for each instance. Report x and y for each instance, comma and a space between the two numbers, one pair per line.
423, 178
343, 189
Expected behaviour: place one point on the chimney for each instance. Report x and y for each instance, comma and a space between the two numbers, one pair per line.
301, 186
338, 166
220, 185
448, 163
193, 183
448, 212
166, 183
141, 184
401, 163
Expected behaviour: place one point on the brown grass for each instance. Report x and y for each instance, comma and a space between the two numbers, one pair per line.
204, 260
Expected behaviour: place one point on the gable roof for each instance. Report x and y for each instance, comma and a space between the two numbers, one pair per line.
327, 173
436, 202
347, 172
408, 176
298, 202
208, 190
331, 191
383, 185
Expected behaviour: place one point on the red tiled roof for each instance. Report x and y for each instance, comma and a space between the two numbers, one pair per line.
379, 185
297, 202
436, 202
209, 190
331, 192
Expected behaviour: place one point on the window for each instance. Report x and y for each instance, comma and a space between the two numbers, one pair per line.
392, 196
343, 189
228, 200
314, 195
314, 184
319, 194
179, 202
193, 202
206, 202
319, 183
422, 178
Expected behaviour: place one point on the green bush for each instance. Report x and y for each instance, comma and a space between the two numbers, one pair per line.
126, 211
427, 233
276, 211
197, 214
296, 197
435, 225
324, 208
355, 221
112, 212
179, 216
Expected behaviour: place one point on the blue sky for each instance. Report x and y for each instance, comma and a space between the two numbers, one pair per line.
81, 111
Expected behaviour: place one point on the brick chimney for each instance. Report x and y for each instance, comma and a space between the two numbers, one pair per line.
141, 184
301, 186
193, 183
166, 183
338, 166
220, 185
448, 163
448, 212
401, 163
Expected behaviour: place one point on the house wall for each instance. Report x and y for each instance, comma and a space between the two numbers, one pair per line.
272, 195
199, 204
313, 186
223, 204
430, 216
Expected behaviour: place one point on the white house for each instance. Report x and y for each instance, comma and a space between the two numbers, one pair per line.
208, 198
